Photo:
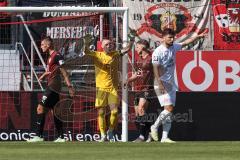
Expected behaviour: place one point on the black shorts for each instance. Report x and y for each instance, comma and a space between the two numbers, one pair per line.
49, 98
143, 94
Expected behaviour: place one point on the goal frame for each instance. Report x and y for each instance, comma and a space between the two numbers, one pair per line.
125, 12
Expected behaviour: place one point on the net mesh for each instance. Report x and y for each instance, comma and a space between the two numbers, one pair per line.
20, 65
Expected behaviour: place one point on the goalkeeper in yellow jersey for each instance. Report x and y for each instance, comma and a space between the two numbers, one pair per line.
106, 73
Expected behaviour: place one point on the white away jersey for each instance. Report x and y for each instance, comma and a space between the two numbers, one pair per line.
166, 58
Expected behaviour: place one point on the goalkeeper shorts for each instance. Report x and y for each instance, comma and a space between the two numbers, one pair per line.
105, 97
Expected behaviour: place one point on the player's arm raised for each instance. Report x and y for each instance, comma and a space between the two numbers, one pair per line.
126, 48
190, 40
87, 42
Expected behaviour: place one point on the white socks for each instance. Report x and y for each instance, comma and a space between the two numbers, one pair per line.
162, 116
167, 123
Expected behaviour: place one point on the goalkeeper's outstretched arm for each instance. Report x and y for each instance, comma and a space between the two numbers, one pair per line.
126, 48
87, 42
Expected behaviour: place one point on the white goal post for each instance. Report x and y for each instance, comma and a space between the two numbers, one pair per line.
123, 10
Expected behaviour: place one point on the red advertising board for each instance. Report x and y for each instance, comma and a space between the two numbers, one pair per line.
208, 71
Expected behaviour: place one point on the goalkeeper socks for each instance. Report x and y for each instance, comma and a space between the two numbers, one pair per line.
113, 119
59, 127
40, 124
102, 123
166, 127
162, 116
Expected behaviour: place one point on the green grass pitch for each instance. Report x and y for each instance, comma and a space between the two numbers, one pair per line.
120, 151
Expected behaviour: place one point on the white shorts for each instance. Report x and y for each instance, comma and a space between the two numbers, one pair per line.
168, 98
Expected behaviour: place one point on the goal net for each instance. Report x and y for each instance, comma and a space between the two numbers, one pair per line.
22, 63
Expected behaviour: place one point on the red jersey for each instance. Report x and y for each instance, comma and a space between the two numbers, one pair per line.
54, 62
145, 68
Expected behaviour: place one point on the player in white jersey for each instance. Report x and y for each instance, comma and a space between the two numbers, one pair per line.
164, 60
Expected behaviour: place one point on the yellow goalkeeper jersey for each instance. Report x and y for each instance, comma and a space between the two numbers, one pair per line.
106, 68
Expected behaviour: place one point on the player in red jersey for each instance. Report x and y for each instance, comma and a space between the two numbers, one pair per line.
143, 81
51, 95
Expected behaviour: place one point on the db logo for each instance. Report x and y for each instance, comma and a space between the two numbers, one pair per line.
210, 71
